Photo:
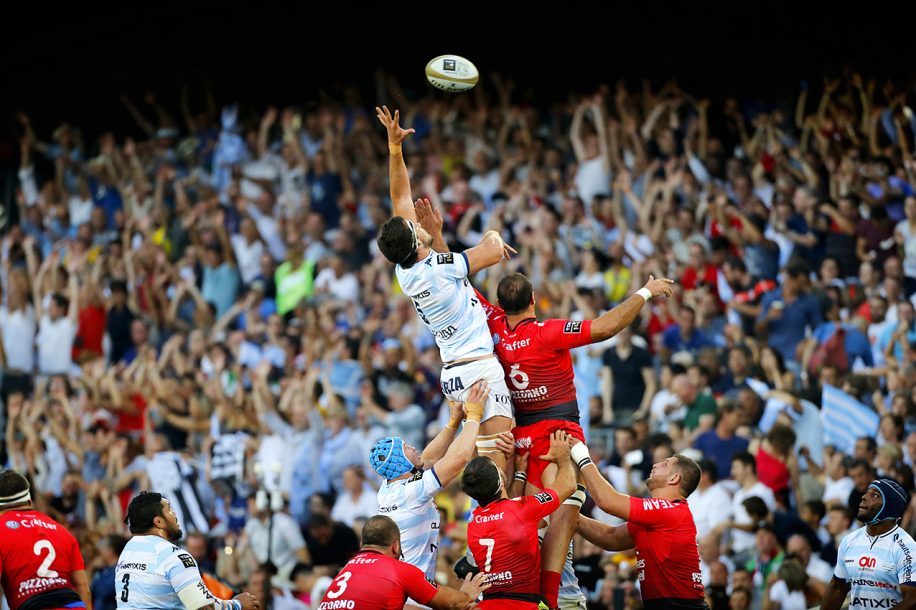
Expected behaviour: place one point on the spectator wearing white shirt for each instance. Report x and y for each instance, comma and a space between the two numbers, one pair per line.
57, 326
710, 504
357, 501
248, 248
337, 282
17, 325
817, 569
405, 419
744, 472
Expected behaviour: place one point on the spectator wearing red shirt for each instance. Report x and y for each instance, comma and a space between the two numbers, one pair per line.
774, 457
661, 528
375, 579
700, 272
41, 567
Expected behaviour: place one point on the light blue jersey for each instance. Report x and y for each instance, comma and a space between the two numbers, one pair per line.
409, 503
445, 301
876, 567
150, 573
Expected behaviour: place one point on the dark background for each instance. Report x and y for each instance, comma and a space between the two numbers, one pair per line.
73, 62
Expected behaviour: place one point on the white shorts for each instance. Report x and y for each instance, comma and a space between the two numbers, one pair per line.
457, 380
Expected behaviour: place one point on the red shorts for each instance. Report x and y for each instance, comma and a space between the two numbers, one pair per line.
534, 439
509, 604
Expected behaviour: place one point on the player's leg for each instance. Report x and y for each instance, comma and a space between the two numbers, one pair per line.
497, 414
556, 540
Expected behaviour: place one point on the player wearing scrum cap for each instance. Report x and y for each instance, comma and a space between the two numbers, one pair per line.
437, 285
412, 479
875, 562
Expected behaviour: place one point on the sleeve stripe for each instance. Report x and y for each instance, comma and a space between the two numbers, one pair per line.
433, 471
467, 265
909, 583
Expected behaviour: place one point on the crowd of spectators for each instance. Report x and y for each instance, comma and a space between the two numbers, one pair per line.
203, 311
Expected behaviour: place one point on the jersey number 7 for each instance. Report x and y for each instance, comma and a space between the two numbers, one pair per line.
490, 544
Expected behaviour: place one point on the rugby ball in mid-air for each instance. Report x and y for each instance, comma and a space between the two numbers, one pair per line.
452, 73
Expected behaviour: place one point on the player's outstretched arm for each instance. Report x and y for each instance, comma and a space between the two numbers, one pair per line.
447, 598
605, 536
462, 450
437, 447
488, 252
606, 497
397, 169
612, 322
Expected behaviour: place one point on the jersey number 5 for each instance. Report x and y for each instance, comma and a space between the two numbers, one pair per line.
44, 570
341, 585
490, 544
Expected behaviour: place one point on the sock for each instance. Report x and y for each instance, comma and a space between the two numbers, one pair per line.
550, 587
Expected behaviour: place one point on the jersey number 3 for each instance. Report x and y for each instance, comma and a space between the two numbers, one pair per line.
44, 570
341, 585
125, 591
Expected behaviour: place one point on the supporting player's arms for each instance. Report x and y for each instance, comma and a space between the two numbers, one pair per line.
81, 583
447, 598
836, 593
606, 497
397, 169
462, 449
604, 536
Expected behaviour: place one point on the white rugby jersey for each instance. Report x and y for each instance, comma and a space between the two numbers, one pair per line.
150, 573
440, 291
409, 503
876, 567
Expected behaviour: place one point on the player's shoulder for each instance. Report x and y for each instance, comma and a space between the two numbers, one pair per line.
902, 541
26, 521
567, 327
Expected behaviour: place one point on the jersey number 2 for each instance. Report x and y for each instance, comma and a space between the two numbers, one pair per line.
490, 544
44, 570
341, 585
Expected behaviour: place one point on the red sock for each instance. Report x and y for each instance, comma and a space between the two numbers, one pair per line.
550, 587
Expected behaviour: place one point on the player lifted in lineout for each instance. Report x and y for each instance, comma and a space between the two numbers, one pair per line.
437, 285
538, 366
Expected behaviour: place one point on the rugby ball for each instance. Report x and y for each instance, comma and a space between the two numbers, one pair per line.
451, 73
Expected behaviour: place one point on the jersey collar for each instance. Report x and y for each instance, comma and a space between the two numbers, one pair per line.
519, 325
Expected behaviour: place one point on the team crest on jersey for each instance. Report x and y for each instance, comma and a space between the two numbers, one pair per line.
416, 477
445, 259
495, 339
12, 525
186, 560
572, 328
543, 497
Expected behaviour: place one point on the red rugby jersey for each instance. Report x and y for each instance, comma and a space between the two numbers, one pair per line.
535, 358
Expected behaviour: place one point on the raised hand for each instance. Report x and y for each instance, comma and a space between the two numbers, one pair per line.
429, 217
661, 286
396, 133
